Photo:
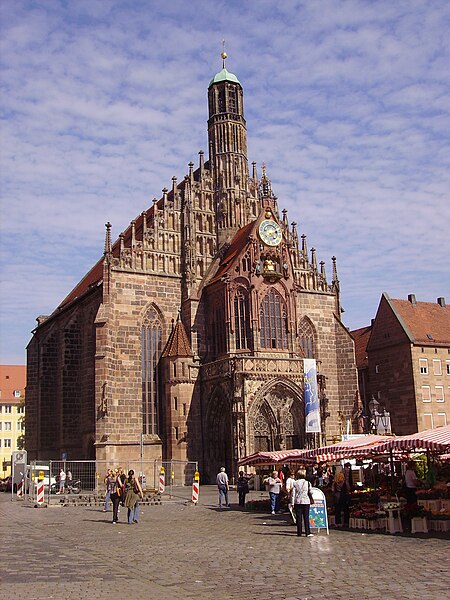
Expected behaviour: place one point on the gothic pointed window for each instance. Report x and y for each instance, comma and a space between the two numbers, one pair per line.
307, 337
273, 322
241, 321
151, 334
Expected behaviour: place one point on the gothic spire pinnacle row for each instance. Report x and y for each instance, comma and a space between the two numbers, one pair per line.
107, 238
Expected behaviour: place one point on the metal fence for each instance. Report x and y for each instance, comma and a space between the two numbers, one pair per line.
87, 477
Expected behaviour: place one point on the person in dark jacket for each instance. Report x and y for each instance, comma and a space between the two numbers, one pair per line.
242, 488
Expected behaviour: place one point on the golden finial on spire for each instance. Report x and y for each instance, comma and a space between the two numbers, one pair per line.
224, 55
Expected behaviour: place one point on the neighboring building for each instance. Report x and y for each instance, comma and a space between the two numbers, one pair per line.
405, 364
12, 412
190, 333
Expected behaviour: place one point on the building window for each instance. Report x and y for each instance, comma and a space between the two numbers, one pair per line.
241, 321
306, 334
441, 420
439, 390
428, 421
423, 364
437, 366
426, 393
7, 425
1, 425
151, 334
377, 368
8, 409
273, 322
20, 410
232, 101
7, 443
16, 393
448, 367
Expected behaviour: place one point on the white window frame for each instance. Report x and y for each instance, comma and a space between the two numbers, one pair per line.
8, 426
16, 393
7, 443
445, 418
437, 366
426, 387
432, 420
423, 366
448, 367
8, 409
439, 387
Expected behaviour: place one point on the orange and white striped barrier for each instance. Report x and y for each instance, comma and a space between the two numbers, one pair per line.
162, 481
195, 487
40, 492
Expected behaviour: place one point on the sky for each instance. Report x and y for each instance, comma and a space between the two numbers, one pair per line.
346, 102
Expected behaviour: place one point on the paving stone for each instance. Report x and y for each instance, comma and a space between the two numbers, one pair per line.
178, 551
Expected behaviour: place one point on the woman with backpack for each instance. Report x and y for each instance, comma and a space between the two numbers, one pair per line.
133, 494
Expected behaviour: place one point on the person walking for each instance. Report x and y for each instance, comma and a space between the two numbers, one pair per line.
108, 483
116, 492
300, 499
274, 484
133, 495
223, 487
242, 488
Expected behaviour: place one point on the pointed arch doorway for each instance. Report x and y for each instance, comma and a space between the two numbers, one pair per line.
278, 419
220, 436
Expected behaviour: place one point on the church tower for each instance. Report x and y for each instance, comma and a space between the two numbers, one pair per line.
227, 136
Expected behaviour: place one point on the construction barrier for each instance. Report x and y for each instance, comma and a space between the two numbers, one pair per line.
20, 489
195, 487
40, 492
162, 480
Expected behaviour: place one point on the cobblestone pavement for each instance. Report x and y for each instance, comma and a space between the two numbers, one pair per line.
179, 551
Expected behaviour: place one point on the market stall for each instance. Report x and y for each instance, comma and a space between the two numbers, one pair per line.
382, 506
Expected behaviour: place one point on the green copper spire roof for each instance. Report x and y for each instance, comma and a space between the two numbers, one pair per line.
224, 75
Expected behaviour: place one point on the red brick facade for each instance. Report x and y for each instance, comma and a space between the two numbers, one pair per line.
405, 364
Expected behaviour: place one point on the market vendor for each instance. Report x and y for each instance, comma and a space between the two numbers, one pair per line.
410, 483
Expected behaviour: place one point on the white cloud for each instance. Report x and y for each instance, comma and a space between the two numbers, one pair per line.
346, 102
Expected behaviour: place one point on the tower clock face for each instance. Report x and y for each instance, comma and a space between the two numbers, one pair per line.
270, 233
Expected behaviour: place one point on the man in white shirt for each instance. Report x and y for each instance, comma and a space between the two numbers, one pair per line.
222, 485
274, 484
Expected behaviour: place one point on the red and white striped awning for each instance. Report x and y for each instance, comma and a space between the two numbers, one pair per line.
436, 440
271, 458
354, 447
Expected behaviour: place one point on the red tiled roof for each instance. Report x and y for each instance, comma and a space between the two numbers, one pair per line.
237, 245
361, 337
426, 323
178, 343
12, 377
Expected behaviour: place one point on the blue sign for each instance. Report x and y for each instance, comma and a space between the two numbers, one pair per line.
318, 517
312, 408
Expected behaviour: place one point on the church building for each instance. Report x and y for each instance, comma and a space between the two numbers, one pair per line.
188, 337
